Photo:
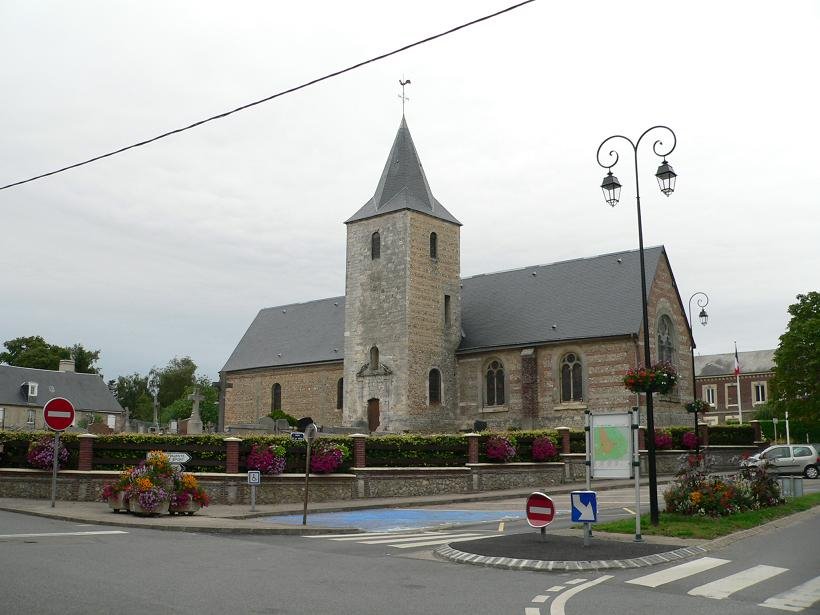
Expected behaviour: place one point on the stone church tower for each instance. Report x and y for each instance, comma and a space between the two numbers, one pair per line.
402, 303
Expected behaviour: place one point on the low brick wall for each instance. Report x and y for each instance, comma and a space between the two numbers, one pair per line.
400, 482
496, 476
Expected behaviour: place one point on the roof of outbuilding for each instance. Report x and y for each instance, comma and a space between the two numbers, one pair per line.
403, 184
584, 298
84, 391
751, 362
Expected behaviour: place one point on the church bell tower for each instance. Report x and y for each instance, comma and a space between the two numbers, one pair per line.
402, 303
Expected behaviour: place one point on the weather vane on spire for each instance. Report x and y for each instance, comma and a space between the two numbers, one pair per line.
403, 83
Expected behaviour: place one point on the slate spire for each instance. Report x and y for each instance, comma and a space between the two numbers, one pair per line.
403, 184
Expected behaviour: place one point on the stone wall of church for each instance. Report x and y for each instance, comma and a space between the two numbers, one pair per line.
433, 336
375, 315
306, 391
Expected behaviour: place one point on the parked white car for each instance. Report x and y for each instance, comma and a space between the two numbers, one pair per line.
787, 459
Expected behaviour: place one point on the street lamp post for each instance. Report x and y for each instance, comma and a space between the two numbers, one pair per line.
703, 301
153, 388
612, 190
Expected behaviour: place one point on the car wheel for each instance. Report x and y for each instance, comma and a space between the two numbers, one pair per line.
810, 472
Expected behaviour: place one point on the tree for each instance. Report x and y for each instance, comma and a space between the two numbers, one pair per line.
132, 393
173, 379
84, 360
33, 351
796, 383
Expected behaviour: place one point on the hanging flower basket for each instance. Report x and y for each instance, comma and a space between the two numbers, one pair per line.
698, 406
660, 378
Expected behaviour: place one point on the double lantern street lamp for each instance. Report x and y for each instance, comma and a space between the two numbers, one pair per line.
612, 192
703, 301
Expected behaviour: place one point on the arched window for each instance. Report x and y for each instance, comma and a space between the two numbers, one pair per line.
495, 384
434, 386
666, 343
571, 378
375, 245
433, 245
374, 358
340, 393
276, 397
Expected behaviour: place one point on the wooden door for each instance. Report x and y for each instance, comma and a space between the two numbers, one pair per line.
372, 414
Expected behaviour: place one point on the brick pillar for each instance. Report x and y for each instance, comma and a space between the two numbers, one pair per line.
758, 433
563, 436
359, 456
703, 434
232, 454
642, 438
529, 385
472, 447
86, 451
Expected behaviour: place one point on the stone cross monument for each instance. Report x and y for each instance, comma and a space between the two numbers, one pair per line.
195, 422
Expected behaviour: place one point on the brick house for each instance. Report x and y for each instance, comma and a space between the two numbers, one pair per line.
412, 346
715, 383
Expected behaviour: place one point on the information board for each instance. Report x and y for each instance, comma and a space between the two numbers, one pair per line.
611, 450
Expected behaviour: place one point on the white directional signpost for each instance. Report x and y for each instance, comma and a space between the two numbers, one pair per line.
254, 479
310, 436
540, 511
584, 505
178, 459
58, 414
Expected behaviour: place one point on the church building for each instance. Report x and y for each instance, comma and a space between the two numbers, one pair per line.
413, 346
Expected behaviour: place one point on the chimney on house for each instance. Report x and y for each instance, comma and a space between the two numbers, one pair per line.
66, 365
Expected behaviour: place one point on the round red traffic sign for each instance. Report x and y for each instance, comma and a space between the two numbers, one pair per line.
58, 413
540, 510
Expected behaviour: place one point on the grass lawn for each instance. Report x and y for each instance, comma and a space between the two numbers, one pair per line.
684, 526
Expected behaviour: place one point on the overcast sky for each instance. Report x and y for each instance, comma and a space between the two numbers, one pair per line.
171, 249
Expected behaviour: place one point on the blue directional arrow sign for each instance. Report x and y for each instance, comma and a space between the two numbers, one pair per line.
584, 506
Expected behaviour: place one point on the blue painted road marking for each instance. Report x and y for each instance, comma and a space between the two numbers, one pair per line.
398, 519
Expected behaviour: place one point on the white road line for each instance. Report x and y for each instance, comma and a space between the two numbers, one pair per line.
676, 573
53, 534
557, 607
532, 610
397, 539
725, 587
631, 512
431, 543
540, 598
362, 535
556, 588
797, 598
575, 581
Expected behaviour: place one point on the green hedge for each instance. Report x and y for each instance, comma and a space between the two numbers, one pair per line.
295, 451
416, 451
731, 434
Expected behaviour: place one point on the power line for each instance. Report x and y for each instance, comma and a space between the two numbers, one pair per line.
277, 95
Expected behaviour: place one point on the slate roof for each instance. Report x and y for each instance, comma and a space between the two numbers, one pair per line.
84, 391
403, 184
751, 362
583, 298
294, 334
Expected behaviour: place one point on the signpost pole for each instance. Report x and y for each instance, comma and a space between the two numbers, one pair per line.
310, 436
636, 465
54, 467
253, 498
588, 434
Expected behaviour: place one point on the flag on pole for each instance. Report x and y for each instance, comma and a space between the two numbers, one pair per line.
737, 362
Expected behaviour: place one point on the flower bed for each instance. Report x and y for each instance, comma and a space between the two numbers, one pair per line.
327, 456
41, 454
267, 459
544, 449
500, 448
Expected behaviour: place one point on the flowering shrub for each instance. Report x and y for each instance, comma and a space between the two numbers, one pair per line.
187, 489
696, 493
500, 448
41, 454
663, 439
661, 377
698, 406
543, 449
327, 456
690, 440
268, 460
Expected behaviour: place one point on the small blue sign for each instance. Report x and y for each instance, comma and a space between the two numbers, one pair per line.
584, 506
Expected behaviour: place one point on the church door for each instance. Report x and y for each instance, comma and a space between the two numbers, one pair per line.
372, 414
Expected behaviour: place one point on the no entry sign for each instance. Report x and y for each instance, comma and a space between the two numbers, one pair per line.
58, 413
540, 510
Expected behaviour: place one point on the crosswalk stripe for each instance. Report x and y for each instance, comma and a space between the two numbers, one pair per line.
358, 536
431, 543
797, 598
676, 573
725, 587
399, 539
